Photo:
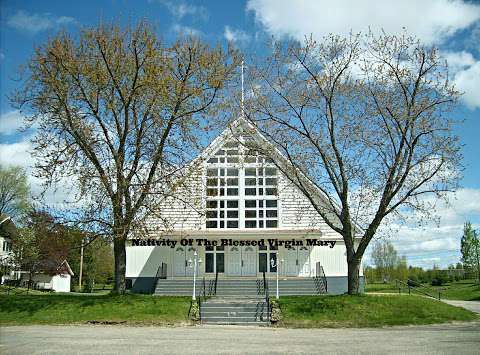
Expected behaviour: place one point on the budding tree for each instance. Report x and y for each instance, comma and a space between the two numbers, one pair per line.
364, 120
119, 112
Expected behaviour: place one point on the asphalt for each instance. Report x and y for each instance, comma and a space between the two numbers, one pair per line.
473, 306
453, 338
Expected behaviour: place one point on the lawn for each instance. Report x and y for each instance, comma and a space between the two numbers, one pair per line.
381, 287
67, 309
367, 311
466, 290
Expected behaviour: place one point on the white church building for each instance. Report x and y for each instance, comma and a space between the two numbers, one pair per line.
240, 218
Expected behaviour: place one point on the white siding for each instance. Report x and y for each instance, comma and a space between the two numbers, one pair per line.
297, 212
183, 211
61, 283
143, 261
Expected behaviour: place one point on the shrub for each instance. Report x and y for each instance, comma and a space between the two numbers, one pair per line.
276, 314
194, 311
437, 282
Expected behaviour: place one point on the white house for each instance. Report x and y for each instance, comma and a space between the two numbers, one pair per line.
8, 231
50, 276
242, 217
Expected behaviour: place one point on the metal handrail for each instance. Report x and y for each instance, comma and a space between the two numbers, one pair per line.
215, 286
204, 292
324, 278
267, 297
161, 274
415, 288
320, 274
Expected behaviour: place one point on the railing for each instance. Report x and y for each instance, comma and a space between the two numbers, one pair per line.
204, 293
161, 274
215, 285
414, 286
320, 275
267, 296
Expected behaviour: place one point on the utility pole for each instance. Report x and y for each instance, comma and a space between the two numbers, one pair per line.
476, 241
81, 267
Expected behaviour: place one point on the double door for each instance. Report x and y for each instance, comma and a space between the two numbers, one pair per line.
242, 261
181, 257
297, 261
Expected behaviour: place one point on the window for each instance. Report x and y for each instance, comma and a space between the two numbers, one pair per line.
267, 259
259, 189
214, 259
232, 204
271, 224
221, 214
250, 203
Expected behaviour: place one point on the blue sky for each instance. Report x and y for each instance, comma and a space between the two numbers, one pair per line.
452, 26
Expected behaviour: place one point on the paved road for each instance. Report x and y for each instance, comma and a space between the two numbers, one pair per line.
473, 306
459, 338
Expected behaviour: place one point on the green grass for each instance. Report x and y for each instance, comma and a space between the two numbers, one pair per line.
466, 290
367, 311
67, 309
381, 287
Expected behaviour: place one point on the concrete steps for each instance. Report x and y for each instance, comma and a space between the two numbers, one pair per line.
235, 310
240, 287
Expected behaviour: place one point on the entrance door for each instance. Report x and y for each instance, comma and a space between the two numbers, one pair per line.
290, 261
242, 261
303, 261
179, 262
234, 261
249, 258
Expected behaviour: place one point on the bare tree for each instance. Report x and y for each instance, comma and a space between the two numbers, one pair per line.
120, 113
364, 120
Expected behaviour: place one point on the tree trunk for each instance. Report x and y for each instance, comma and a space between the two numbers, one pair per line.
120, 264
353, 276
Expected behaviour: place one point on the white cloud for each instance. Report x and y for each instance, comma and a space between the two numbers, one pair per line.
468, 81
10, 122
236, 36
458, 60
34, 23
439, 243
16, 154
186, 30
181, 9
431, 20
465, 69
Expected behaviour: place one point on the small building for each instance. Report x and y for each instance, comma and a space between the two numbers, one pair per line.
50, 276
243, 218
8, 232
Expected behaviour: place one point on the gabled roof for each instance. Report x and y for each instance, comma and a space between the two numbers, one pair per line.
240, 126
54, 268
7, 227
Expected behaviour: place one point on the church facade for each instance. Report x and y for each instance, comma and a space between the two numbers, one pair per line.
236, 216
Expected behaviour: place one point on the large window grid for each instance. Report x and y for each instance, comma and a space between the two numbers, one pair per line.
222, 182
249, 187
